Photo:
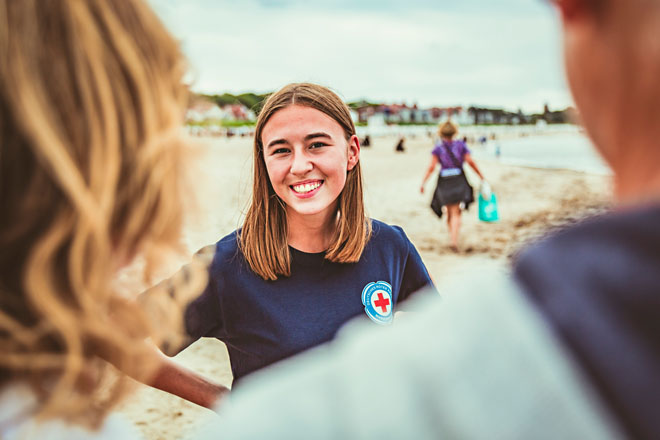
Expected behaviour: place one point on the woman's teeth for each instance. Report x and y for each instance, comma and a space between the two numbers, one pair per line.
306, 187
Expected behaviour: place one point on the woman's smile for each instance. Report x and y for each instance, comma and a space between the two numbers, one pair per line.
306, 189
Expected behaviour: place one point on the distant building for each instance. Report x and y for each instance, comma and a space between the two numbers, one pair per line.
496, 116
376, 120
376, 114
355, 116
239, 112
206, 111
567, 116
202, 110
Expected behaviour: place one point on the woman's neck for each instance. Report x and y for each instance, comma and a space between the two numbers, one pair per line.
637, 186
637, 170
311, 233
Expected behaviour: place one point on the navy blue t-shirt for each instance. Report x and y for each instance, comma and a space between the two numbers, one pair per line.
598, 286
262, 321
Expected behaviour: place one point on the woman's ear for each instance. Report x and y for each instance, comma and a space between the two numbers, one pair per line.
353, 152
571, 10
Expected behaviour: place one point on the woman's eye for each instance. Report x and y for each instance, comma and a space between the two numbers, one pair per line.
317, 145
281, 151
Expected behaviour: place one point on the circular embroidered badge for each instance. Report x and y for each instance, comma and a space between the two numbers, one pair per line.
377, 301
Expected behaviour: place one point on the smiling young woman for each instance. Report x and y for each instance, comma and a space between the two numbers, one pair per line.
264, 238
307, 259
320, 126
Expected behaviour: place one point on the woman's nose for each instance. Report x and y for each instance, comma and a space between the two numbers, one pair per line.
301, 164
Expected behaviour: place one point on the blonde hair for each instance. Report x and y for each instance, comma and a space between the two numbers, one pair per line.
263, 238
91, 105
447, 130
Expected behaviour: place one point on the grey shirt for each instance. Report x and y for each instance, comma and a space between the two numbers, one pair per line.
479, 364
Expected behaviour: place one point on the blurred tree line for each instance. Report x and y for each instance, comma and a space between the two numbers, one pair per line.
251, 100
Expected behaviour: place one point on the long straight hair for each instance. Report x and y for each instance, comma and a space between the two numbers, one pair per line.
263, 238
91, 107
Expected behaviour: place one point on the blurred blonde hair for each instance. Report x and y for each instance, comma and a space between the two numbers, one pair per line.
263, 238
447, 129
91, 105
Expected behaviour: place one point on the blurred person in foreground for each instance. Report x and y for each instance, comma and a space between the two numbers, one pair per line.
91, 167
569, 347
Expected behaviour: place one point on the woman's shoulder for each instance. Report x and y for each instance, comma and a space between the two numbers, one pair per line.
228, 242
224, 251
383, 232
452, 143
461, 144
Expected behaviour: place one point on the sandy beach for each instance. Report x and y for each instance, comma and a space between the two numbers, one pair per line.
532, 202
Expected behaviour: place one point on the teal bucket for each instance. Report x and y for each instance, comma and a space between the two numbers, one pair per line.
488, 209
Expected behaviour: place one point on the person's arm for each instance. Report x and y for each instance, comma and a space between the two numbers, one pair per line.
174, 378
473, 165
429, 171
167, 375
175, 293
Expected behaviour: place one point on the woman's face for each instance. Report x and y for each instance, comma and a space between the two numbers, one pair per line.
599, 63
590, 74
307, 158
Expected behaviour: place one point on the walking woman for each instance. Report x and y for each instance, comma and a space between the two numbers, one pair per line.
453, 189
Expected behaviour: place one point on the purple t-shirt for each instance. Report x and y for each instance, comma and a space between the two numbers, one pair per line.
446, 161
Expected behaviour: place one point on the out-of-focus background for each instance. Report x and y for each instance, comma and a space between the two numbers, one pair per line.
404, 67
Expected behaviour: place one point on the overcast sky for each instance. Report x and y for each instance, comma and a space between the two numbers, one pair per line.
503, 53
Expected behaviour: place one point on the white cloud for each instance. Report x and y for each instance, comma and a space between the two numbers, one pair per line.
475, 53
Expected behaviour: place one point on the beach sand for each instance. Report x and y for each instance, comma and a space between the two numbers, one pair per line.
531, 202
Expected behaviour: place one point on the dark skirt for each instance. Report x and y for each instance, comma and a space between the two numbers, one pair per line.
451, 190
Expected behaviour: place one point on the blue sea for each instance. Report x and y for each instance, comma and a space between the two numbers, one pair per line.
572, 151
552, 146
